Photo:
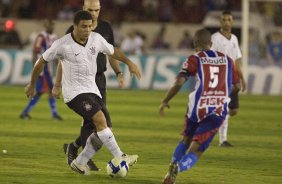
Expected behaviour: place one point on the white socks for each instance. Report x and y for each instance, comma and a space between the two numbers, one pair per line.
108, 139
223, 130
87, 152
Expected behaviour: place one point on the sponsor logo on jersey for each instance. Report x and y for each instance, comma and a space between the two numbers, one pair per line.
92, 50
217, 60
205, 93
212, 101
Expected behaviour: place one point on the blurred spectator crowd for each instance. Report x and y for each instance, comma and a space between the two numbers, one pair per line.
162, 11
192, 11
188, 11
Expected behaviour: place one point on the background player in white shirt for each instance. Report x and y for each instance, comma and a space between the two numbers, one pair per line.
78, 53
226, 42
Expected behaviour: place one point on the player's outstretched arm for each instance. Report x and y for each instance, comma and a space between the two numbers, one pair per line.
37, 69
116, 67
58, 80
243, 82
171, 93
134, 70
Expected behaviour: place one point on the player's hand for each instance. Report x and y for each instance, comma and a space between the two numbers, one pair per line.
120, 79
244, 86
56, 92
162, 107
134, 70
30, 91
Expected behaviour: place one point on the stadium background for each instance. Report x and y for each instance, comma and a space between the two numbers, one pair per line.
34, 147
148, 17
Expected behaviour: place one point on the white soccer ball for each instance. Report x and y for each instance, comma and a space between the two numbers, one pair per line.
117, 168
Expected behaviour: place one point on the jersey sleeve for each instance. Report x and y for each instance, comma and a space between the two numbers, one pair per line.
106, 48
53, 52
214, 43
189, 67
238, 50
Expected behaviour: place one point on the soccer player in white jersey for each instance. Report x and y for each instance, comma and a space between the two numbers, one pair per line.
208, 103
226, 42
78, 53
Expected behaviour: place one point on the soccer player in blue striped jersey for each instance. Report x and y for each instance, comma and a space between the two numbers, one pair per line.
44, 83
208, 104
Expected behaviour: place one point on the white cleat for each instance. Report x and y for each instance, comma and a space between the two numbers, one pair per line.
79, 168
130, 159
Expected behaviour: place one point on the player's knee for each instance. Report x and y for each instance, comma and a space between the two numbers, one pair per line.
195, 147
186, 140
100, 121
233, 112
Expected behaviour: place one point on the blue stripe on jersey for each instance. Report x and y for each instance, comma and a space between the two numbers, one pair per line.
210, 53
229, 77
199, 91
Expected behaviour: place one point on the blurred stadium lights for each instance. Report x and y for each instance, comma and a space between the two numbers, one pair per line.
9, 25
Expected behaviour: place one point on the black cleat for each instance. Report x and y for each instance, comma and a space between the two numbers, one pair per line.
25, 116
92, 166
57, 118
65, 147
225, 144
71, 152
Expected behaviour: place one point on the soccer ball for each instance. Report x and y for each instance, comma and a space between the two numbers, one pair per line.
117, 168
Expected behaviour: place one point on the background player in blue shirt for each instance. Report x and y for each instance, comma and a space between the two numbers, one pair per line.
44, 83
208, 103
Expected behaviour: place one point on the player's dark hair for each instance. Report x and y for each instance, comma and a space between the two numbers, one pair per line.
202, 38
226, 12
81, 15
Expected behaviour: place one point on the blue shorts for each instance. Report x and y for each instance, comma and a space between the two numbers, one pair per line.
44, 83
203, 131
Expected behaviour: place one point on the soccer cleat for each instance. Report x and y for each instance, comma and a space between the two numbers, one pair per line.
92, 166
65, 147
71, 152
79, 168
57, 117
25, 116
225, 144
170, 177
130, 159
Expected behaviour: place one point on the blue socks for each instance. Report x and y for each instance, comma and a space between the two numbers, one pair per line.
187, 161
52, 104
31, 104
179, 152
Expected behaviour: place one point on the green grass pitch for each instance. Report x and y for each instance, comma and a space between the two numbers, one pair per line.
35, 153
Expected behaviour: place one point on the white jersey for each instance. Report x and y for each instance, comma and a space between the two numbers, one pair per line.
229, 47
78, 63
